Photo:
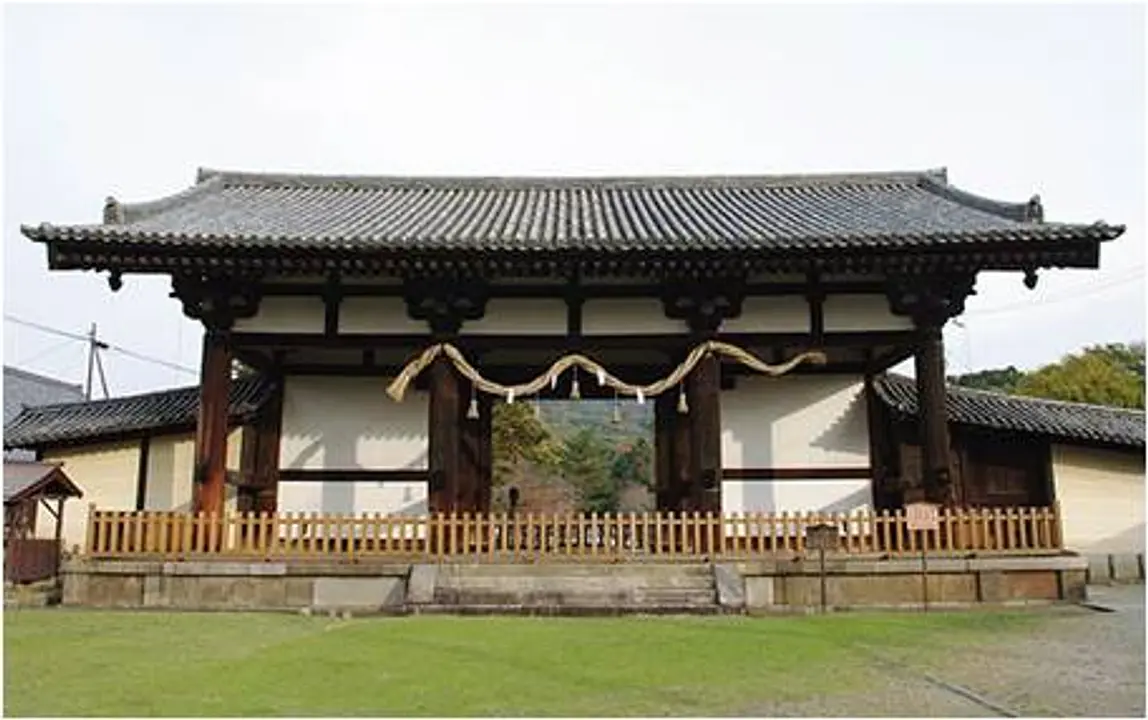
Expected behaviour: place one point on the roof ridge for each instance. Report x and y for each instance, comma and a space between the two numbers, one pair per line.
255, 380
1029, 211
1024, 398
121, 213
234, 177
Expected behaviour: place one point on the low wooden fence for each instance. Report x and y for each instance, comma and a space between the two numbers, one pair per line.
534, 538
29, 560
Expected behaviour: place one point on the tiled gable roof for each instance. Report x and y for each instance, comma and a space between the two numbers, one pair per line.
1034, 416
169, 410
28, 479
759, 214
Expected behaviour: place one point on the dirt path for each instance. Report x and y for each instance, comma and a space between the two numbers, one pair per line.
1078, 662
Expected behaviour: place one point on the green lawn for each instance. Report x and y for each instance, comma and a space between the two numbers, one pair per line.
70, 662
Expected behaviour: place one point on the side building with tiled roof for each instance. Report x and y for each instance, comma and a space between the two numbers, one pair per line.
137, 452
1010, 451
23, 389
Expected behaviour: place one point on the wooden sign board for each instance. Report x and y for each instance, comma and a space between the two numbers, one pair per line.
922, 516
821, 537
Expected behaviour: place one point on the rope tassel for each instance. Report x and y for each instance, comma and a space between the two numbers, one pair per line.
683, 405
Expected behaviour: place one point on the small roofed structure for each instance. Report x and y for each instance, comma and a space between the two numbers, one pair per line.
27, 486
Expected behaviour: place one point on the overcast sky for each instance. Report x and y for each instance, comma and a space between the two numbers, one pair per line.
129, 101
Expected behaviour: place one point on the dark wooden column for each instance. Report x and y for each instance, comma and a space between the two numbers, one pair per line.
665, 412
211, 425
930, 301
217, 302
703, 389
455, 474
703, 305
267, 432
444, 437
475, 452
930, 372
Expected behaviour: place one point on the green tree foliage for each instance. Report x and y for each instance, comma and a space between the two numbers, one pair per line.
997, 380
634, 465
1103, 375
520, 437
586, 464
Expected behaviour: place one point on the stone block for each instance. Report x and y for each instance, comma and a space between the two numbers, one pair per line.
1099, 570
358, 593
75, 589
215, 568
1126, 568
154, 592
1073, 585
758, 591
421, 585
298, 592
730, 586
116, 591
1032, 585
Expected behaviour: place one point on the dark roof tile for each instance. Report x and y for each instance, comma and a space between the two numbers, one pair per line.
755, 214
1059, 420
92, 421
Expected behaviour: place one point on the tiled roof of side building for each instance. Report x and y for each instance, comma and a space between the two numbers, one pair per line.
760, 214
1065, 421
168, 410
26, 389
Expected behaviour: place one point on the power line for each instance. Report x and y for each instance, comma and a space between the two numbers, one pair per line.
1089, 291
100, 344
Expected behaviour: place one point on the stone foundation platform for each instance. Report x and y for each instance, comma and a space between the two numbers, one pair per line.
764, 586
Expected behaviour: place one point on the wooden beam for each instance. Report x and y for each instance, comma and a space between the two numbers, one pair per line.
211, 426
797, 473
383, 476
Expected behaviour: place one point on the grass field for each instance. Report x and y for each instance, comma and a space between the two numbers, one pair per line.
64, 662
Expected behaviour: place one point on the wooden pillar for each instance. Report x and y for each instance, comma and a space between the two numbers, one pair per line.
267, 432
934, 427
475, 473
444, 435
703, 390
665, 415
211, 426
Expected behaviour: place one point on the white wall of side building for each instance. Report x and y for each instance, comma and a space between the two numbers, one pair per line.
796, 421
350, 423
1101, 496
108, 475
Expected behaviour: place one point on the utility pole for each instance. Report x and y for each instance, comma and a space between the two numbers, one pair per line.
94, 363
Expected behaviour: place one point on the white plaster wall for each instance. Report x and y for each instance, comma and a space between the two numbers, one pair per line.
105, 473
776, 496
285, 315
780, 313
858, 313
1101, 495
171, 469
354, 498
520, 316
347, 423
628, 316
358, 315
795, 421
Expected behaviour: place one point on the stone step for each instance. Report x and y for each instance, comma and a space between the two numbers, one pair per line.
574, 584
676, 597
579, 570
572, 610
